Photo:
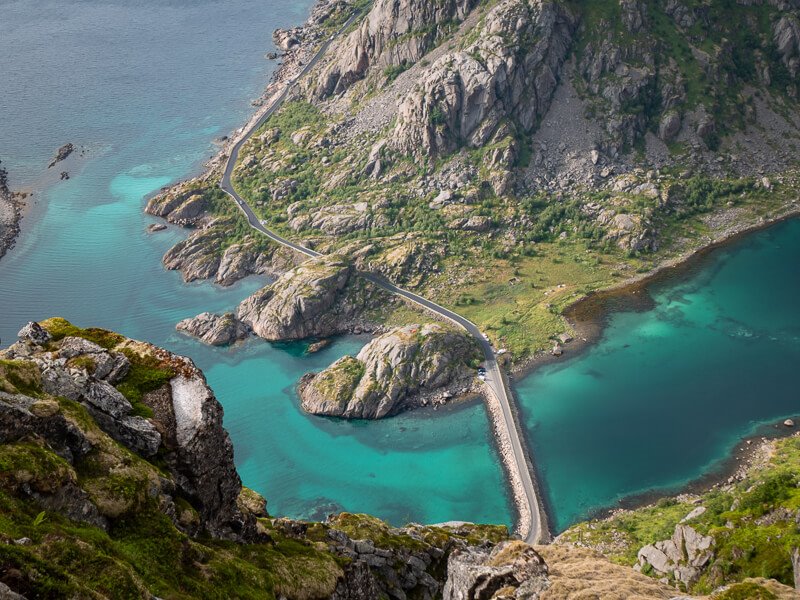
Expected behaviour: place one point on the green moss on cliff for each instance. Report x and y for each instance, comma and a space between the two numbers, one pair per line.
19, 376
147, 374
60, 328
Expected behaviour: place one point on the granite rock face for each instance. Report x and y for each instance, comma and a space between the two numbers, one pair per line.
217, 330
179, 419
683, 556
395, 32
405, 367
508, 74
311, 300
207, 254
509, 570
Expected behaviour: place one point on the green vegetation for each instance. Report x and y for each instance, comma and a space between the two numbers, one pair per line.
147, 374
752, 523
338, 382
60, 328
19, 376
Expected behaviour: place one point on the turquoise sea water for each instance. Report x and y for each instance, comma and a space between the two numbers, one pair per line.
146, 86
668, 392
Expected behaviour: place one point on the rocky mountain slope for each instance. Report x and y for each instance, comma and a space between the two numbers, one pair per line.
117, 481
506, 158
405, 367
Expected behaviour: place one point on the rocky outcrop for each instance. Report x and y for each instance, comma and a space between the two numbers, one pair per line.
509, 570
315, 299
681, 557
62, 154
407, 562
208, 254
148, 400
786, 34
183, 204
217, 330
405, 367
395, 32
509, 73
337, 219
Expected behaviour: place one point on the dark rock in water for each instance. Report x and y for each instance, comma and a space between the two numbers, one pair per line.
317, 346
64, 175
153, 227
217, 330
61, 154
272, 55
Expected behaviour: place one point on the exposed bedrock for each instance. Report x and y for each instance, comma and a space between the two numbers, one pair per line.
393, 33
508, 74
408, 366
318, 298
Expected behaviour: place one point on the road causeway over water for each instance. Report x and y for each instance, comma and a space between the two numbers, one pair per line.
531, 523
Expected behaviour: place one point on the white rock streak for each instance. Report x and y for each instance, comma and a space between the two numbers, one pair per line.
188, 397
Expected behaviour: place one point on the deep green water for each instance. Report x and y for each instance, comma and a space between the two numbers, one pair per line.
667, 393
146, 85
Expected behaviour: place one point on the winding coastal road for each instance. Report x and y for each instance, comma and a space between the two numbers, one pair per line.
531, 525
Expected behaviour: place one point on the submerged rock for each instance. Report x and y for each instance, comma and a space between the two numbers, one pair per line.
217, 330
404, 367
62, 154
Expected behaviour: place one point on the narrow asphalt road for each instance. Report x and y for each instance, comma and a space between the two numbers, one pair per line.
495, 380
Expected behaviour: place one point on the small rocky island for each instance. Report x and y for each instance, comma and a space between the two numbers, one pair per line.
406, 367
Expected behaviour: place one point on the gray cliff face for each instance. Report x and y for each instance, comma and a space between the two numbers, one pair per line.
509, 570
311, 300
395, 32
217, 330
509, 72
405, 367
183, 423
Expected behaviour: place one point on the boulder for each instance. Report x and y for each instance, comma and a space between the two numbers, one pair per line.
681, 557
509, 570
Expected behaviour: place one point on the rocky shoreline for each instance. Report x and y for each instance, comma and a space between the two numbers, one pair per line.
751, 451
11, 209
588, 315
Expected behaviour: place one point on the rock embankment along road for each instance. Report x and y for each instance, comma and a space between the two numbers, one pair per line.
531, 524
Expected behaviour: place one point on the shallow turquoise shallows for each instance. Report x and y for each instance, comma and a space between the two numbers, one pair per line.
146, 86
668, 392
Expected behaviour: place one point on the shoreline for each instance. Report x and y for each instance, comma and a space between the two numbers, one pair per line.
588, 317
747, 452
292, 60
